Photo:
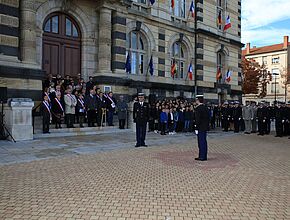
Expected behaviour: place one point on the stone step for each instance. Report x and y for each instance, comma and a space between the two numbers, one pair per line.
66, 132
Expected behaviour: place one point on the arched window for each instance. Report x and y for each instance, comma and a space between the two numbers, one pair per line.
179, 8
137, 48
179, 57
63, 25
221, 59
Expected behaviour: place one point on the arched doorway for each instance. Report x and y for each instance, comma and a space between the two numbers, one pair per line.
61, 45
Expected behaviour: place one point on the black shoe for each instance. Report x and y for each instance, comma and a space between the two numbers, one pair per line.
137, 145
81, 126
144, 145
200, 159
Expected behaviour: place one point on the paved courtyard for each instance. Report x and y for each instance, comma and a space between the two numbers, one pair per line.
105, 177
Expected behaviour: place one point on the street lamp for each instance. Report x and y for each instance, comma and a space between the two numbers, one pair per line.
275, 89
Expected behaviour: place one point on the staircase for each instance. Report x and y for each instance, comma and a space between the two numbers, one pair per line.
77, 131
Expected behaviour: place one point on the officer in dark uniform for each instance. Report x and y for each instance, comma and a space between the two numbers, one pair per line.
237, 115
262, 116
278, 120
225, 116
141, 117
202, 125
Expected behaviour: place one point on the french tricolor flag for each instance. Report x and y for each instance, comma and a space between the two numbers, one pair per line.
192, 9
228, 76
228, 23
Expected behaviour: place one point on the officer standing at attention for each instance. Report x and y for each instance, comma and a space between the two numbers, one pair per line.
202, 124
141, 117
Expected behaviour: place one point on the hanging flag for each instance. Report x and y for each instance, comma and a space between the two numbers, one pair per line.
152, 2
173, 68
228, 23
219, 18
190, 71
172, 3
128, 64
151, 67
219, 74
228, 76
192, 9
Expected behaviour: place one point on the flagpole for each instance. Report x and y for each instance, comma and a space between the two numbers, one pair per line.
195, 48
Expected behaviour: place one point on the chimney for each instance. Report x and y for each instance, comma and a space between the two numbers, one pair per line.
248, 48
285, 44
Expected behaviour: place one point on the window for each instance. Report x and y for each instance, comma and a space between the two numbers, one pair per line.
275, 86
220, 13
140, 1
178, 55
220, 64
52, 25
63, 25
136, 45
275, 73
70, 28
275, 60
264, 60
179, 8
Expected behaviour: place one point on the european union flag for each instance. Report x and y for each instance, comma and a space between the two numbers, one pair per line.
128, 64
152, 2
151, 67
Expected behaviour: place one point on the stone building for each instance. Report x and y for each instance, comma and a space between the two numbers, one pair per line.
93, 38
276, 59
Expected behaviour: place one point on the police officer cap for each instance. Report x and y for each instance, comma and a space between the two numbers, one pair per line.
141, 94
226, 103
237, 102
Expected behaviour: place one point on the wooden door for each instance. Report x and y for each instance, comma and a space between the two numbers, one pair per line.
61, 46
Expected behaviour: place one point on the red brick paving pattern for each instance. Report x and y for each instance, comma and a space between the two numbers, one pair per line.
243, 179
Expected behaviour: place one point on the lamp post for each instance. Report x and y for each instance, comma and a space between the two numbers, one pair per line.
275, 91
195, 48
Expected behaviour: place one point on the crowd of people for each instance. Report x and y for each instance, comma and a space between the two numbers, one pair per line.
74, 101
178, 115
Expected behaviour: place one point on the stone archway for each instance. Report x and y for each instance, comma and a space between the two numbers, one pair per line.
61, 45
87, 26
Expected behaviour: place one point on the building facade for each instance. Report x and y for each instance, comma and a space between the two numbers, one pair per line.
94, 38
276, 59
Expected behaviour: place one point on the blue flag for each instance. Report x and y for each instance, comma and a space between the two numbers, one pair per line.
128, 64
152, 2
151, 67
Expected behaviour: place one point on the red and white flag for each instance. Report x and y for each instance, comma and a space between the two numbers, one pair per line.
228, 23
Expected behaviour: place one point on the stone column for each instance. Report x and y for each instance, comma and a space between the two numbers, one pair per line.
105, 41
18, 118
28, 31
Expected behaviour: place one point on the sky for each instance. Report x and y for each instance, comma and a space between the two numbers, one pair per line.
265, 22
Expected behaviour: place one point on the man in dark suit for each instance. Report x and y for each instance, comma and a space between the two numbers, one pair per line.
91, 106
141, 117
202, 123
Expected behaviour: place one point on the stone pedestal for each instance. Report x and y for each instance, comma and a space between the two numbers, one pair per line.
18, 118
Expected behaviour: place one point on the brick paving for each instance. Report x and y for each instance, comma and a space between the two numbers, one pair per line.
246, 177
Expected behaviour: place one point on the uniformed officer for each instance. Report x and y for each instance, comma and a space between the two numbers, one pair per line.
141, 117
278, 120
237, 115
202, 125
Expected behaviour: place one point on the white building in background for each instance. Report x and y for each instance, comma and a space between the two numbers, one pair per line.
276, 58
